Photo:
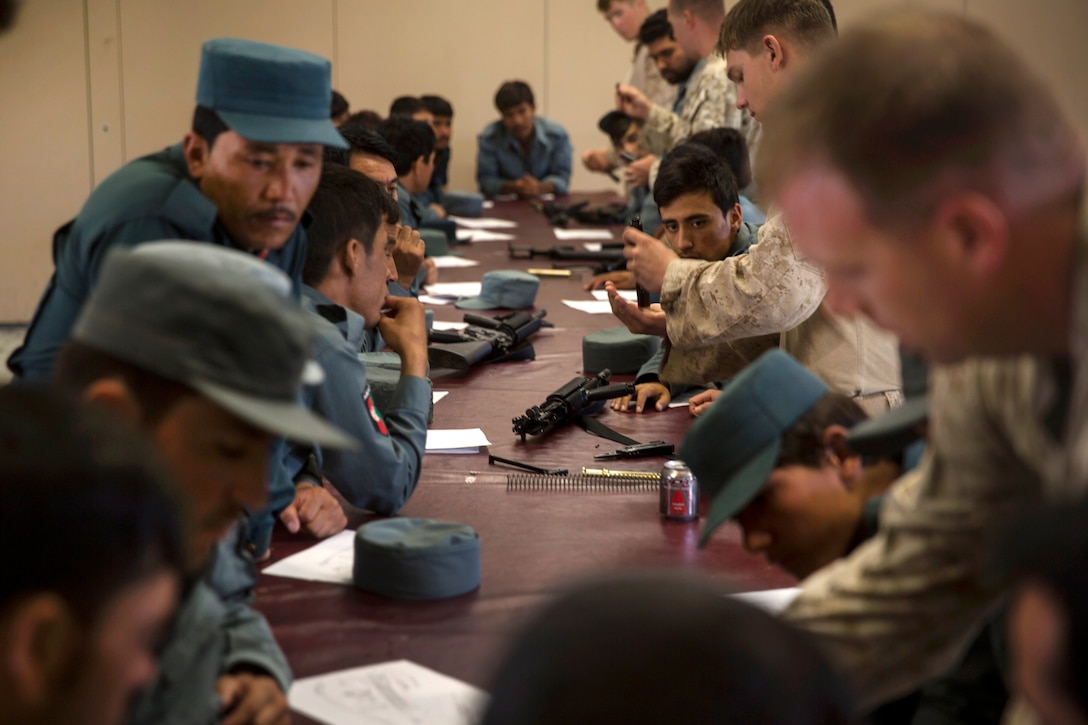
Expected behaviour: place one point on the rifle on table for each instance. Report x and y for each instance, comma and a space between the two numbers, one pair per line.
485, 340
566, 253
570, 402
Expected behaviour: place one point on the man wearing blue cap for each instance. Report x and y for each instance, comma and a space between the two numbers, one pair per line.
202, 349
241, 178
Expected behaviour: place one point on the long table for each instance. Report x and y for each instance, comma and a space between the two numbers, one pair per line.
533, 542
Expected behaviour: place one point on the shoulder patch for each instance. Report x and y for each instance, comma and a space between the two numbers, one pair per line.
375, 414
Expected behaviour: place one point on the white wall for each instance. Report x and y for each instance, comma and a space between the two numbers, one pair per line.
86, 85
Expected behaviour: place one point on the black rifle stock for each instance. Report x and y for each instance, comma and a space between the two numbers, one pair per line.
485, 340
565, 253
569, 402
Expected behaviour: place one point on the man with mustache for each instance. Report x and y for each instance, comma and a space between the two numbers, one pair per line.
241, 178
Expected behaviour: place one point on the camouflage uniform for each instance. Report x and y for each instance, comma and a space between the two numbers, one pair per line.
1005, 434
770, 290
710, 102
645, 76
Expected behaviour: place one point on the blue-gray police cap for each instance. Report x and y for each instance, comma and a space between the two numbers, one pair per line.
268, 93
733, 447
416, 558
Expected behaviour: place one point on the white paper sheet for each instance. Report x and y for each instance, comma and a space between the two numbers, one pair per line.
488, 204
441, 325
567, 235
437, 395
328, 561
428, 300
593, 307
448, 261
454, 289
456, 440
390, 693
483, 235
592, 246
628, 294
483, 223
771, 600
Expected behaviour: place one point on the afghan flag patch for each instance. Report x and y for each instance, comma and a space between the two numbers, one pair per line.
375, 415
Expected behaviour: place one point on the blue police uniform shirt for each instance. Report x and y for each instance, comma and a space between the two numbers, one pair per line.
500, 157
383, 473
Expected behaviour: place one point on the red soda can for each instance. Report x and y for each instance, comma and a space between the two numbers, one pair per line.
679, 494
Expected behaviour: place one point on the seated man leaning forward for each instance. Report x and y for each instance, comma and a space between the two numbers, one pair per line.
344, 294
85, 508
697, 195
522, 153
203, 349
241, 178
772, 289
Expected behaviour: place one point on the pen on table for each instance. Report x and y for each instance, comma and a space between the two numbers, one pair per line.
544, 272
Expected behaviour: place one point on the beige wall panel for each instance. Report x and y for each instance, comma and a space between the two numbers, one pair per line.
850, 12
104, 80
586, 59
44, 144
460, 50
1050, 36
160, 54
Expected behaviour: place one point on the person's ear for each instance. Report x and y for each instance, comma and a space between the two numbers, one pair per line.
689, 19
735, 219
839, 454
115, 395
196, 152
351, 257
774, 52
976, 231
40, 640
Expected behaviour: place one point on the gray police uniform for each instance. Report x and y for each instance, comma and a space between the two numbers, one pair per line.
213, 633
383, 473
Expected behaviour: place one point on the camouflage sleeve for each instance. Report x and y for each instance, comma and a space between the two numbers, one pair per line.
767, 290
902, 607
711, 103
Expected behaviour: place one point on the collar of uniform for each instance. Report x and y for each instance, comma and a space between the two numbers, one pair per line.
695, 73
539, 136
350, 324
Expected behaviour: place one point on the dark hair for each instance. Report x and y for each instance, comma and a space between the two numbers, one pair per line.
695, 169
84, 502
438, 106
806, 22
655, 27
79, 365
339, 105
729, 145
513, 93
604, 5
347, 205
208, 125
658, 648
803, 444
831, 11
406, 106
410, 138
617, 124
361, 140
366, 118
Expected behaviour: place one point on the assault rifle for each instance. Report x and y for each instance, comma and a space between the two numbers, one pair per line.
485, 340
566, 253
571, 401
